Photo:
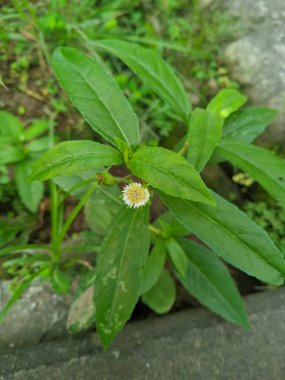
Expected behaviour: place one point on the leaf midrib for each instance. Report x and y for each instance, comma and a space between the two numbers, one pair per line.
80, 157
154, 77
235, 237
119, 269
199, 190
100, 100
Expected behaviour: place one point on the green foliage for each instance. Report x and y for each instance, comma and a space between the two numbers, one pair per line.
161, 296
248, 123
31, 193
119, 271
177, 256
154, 71
101, 208
153, 266
271, 217
261, 164
90, 89
15, 144
209, 281
123, 270
231, 235
170, 173
226, 102
205, 131
72, 157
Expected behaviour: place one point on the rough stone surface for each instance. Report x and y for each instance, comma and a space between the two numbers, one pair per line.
257, 58
39, 314
192, 345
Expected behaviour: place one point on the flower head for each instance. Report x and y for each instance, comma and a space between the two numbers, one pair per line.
134, 195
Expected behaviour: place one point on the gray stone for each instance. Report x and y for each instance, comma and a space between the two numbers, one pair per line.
39, 314
192, 344
257, 58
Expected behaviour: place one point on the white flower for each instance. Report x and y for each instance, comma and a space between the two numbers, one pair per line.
134, 195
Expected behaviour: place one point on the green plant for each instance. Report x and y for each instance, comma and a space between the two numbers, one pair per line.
271, 217
20, 148
180, 30
125, 270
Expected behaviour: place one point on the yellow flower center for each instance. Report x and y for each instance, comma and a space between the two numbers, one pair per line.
136, 194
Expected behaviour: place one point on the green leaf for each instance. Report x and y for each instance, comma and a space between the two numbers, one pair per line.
170, 173
170, 225
153, 267
10, 154
31, 261
60, 281
119, 271
226, 102
102, 207
161, 296
77, 184
248, 123
96, 95
39, 145
17, 294
262, 165
124, 148
10, 126
71, 157
30, 193
21, 248
37, 128
209, 280
177, 256
205, 131
153, 70
232, 235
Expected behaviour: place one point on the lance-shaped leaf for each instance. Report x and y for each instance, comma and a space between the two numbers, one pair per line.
37, 128
170, 173
73, 157
232, 235
262, 165
161, 296
10, 154
226, 102
119, 271
96, 95
153, 266
30, 192
153, 70
177, 256
209, 280
205, 130
248, 123
10, 126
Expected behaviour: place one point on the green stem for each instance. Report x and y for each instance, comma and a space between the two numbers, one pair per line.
53, 195
124, 179
54, 216
74, 214
75, 187
155, 230
184, 149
